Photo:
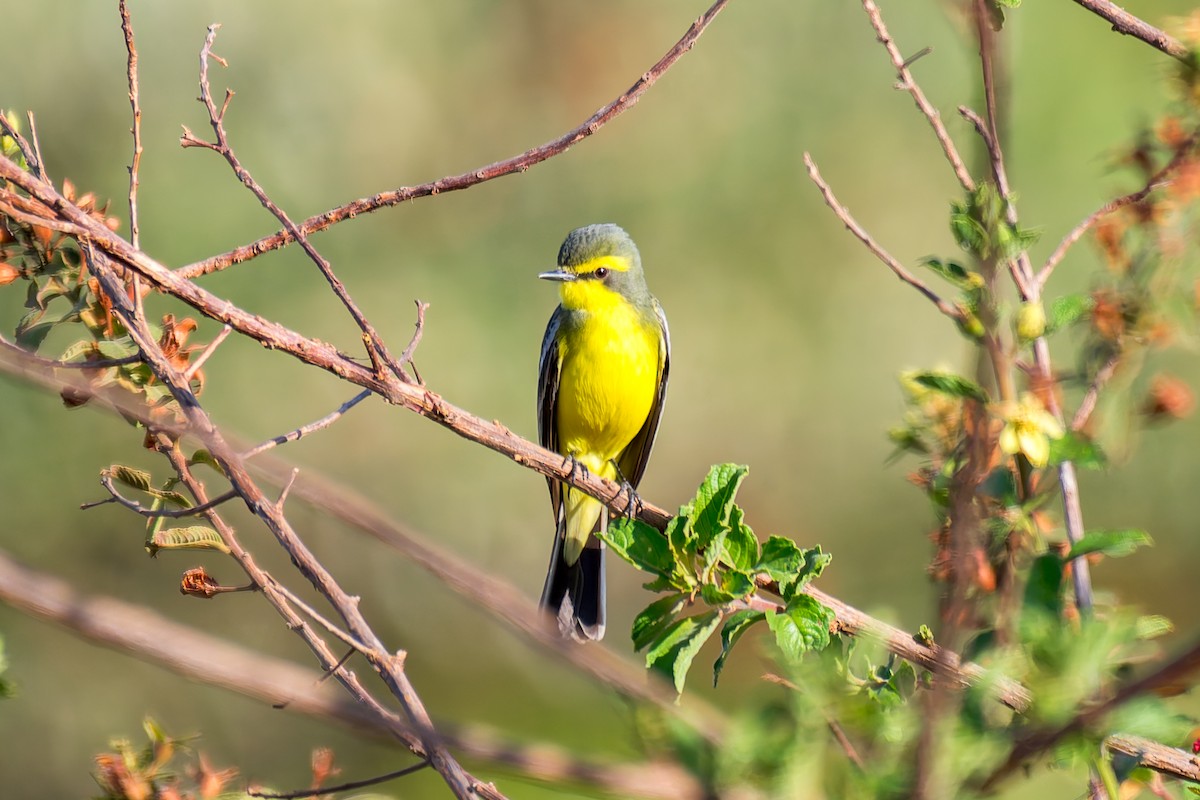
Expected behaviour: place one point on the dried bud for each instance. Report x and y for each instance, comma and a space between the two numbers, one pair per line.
1169, 398
1108, 318
198, 583
9, 273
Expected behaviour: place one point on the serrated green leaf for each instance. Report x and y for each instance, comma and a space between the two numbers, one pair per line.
952, 385
729, 585
714, 500
1065, 311
639, 544
189, 538
801, 627
117, 348
676, 648
780, 558
654, 618
138, 479
1151, 626
1114, 544
735, 625
741, 545
1078, 449
968, 233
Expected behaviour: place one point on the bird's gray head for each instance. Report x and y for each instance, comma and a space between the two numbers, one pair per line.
599, 260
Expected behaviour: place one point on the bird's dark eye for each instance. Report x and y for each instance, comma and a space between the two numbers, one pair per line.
602, 273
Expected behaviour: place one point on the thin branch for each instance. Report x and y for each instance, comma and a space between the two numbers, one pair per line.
106, 480
320, 619
1088, 404
1016, 267
861, 234
312, 427
374, 344
27, 150
516, 164
132, 75
907, 83
1158, 180
195, 365
1124, 22
341, 787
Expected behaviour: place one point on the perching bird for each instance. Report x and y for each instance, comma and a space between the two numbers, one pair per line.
602, 380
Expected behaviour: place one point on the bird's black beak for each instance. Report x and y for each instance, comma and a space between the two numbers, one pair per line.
560, 275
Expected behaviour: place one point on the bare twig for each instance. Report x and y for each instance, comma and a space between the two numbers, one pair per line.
1126, 23
106, 480
132, 75
195, 364
312, 427
1088, 404
861, 234
1158, 180
516, 164
907, 83
341, 787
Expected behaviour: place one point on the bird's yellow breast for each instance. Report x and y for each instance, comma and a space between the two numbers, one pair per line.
609, 377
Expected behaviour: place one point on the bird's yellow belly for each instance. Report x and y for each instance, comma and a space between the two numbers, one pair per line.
606, 388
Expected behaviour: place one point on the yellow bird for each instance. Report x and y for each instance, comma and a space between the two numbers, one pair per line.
603, 376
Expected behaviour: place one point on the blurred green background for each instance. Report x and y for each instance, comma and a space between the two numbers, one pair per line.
787, 335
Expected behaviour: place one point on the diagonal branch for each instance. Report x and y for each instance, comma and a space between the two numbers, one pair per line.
861, 234
1126, 23
516, 164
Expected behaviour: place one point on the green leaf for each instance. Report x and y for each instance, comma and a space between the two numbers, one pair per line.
968, 233
1078, 449
1065, 311
1111, 543
189, 538
740, 549
736, 624
640, 545
654, 618
1151, 626
790, 566
204, 457
952, 385
780, 558
1044, 588
714, 500
801, 627
955, 273
730, 585
676, 648
138, 479
681, 539
924, 636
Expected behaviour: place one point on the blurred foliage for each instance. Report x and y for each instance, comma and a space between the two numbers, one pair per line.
759, 279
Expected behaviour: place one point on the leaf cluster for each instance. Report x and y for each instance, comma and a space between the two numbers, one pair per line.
713, 571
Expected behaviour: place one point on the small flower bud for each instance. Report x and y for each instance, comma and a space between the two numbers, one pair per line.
1031, 321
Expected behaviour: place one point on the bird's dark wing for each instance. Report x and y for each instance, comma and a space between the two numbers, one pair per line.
635, 457
549, 368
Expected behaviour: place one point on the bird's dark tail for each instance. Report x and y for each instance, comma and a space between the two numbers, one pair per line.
574, 593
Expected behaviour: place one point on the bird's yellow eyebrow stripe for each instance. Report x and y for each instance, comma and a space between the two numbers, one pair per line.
615, 263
